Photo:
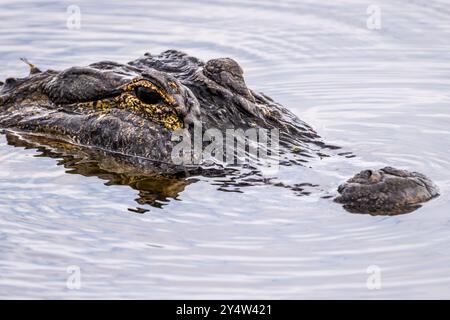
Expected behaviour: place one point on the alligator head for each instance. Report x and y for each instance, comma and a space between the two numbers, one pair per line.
134, 108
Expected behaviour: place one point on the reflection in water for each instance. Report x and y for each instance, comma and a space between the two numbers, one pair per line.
392, 212
154, 189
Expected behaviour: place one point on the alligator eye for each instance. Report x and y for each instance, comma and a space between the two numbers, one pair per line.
148, 96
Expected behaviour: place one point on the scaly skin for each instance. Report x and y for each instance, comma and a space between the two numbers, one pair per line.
134, 108
105, 104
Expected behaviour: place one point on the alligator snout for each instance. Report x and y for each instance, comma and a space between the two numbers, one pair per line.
387, 191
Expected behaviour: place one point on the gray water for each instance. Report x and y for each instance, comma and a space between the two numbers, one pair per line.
382, 94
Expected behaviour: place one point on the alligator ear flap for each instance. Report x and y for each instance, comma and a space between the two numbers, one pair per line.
227, 73
33, 68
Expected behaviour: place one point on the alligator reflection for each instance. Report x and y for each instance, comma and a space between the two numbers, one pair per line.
153, 189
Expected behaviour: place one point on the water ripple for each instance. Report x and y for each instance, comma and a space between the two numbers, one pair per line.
380, 94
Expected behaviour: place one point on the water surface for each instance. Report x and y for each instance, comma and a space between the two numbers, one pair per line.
381, 94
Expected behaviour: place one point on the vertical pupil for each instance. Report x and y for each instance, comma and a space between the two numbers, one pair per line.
146, 95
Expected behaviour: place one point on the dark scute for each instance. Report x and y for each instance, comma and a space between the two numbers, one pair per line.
10, 80
227, 73
82, 84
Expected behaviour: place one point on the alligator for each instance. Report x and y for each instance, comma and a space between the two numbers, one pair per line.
141, 111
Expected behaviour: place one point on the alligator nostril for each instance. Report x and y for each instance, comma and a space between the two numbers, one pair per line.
370, 176
375, 176
366, 174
